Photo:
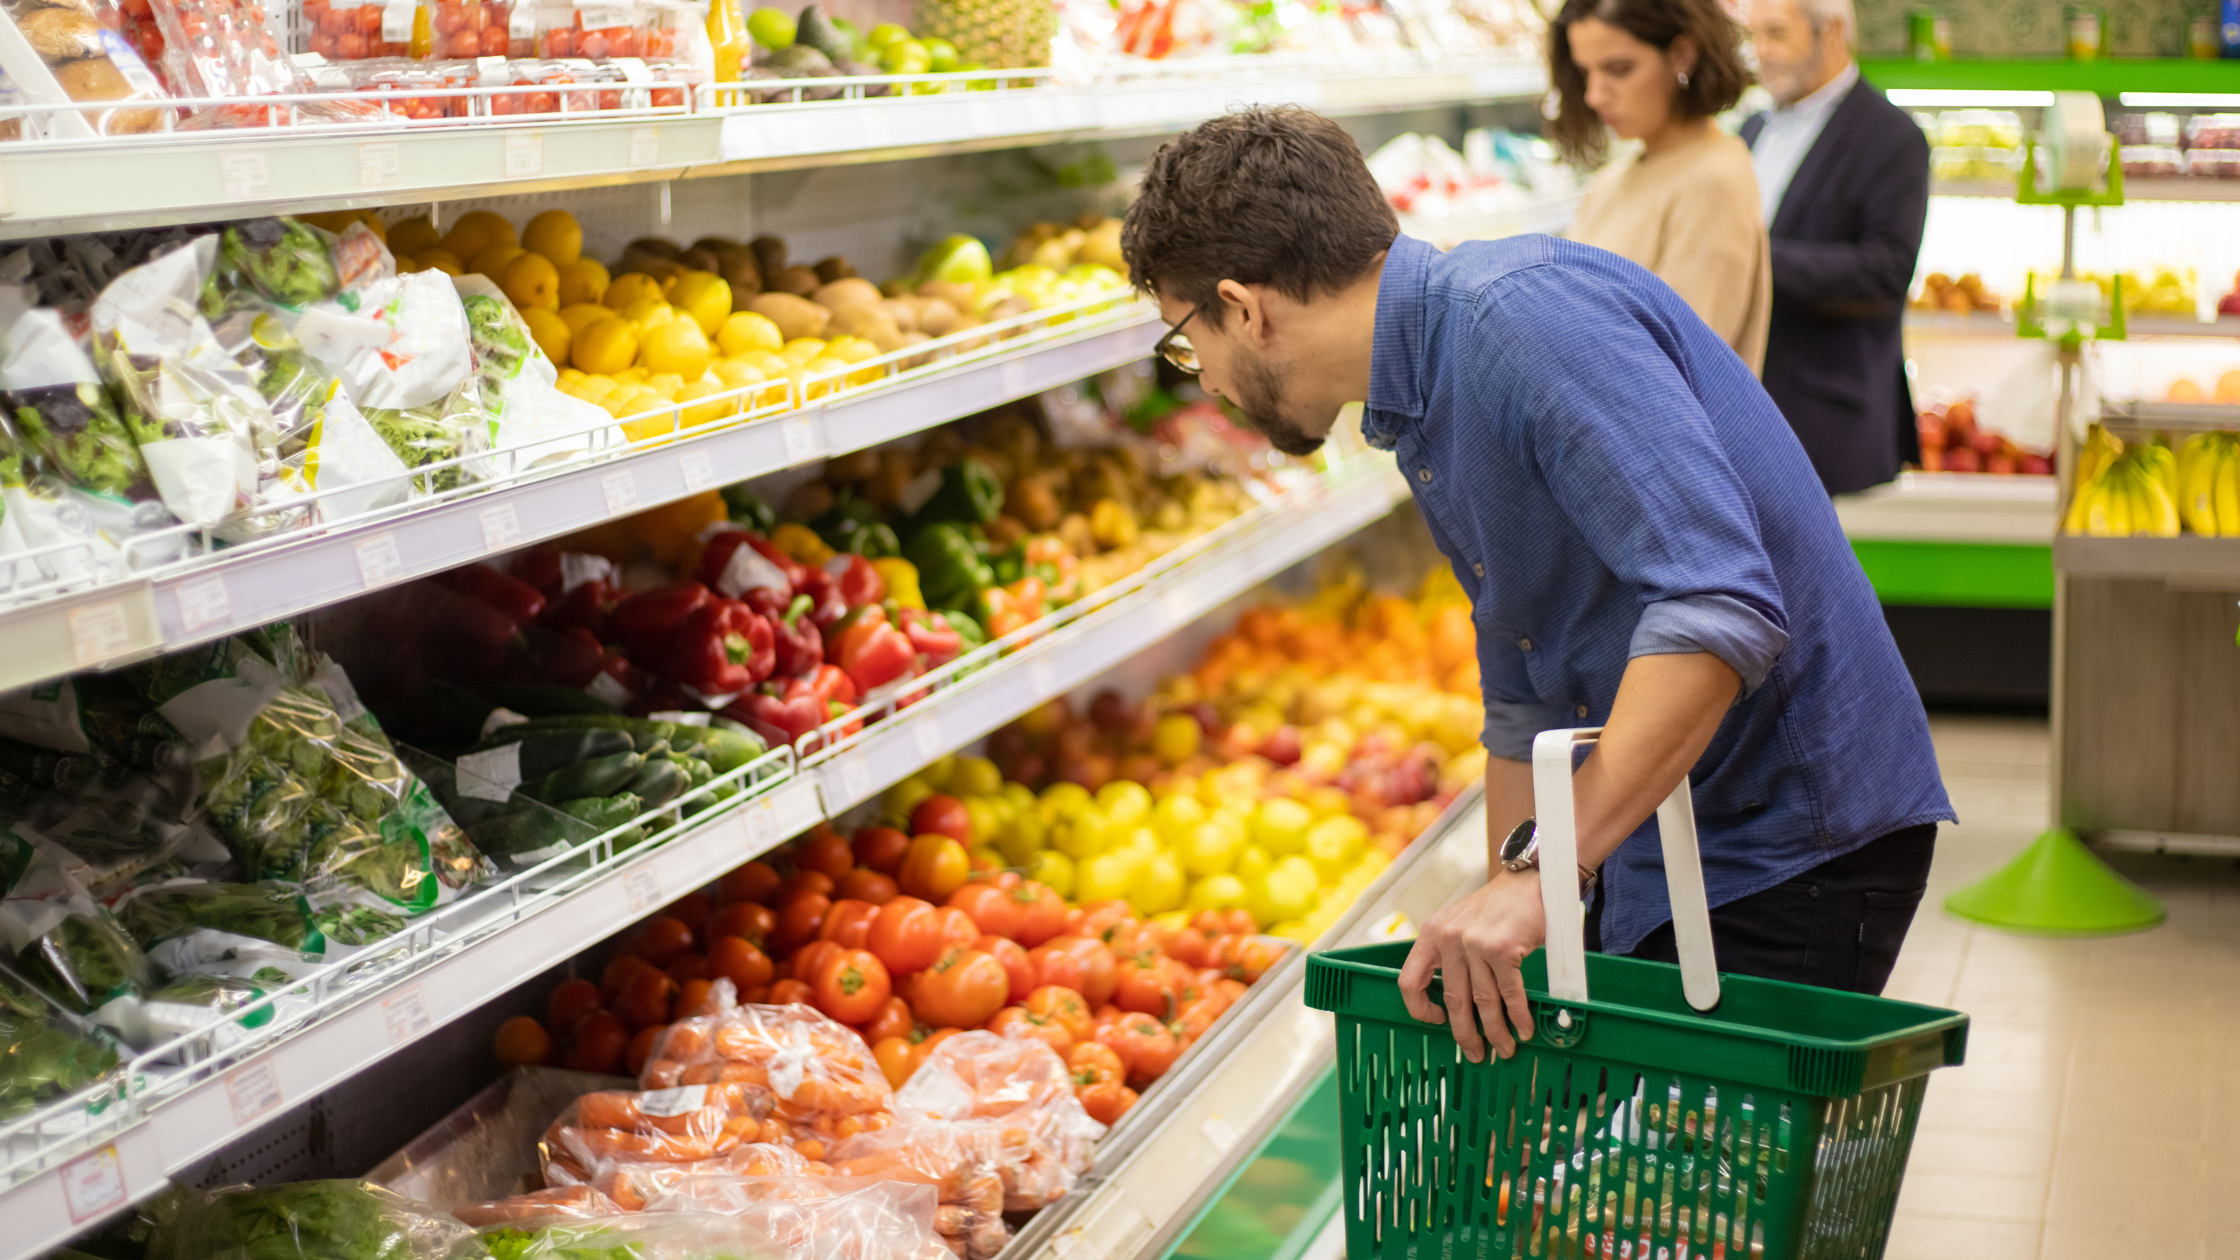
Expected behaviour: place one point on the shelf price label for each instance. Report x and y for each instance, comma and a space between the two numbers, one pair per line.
501, 527
93, 1183
1014, 378
379, 561
524, 154
1043, 676
99, 632
877, 131
621, 491
380, 164
855, 778
203, 602
1220, 1134
1175, 606
406, 1014
801, 440
645, 147
642, 888
927, 733
698, 470
253, 1091
244, 175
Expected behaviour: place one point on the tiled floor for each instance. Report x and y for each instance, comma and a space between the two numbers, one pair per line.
2098, 1071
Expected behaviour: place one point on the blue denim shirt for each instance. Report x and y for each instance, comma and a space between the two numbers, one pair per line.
1610, 481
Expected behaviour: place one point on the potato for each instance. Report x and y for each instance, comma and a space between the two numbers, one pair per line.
903, 311
795, 316
960, 296
769, 255
799, 281
937, 318
869, 321
848, 292
834, 268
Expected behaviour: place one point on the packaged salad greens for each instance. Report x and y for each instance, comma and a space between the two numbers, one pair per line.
45, 1053
444, 430
208, 927
222, 1011
203, 428
530, 420
682, 1235
62, 941
285, 261
310, 1220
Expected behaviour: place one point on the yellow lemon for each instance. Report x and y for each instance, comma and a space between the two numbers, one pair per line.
851, 349
551, 331
493, 259
800, 350
819, 376
634, 374
440, 259
630, 286
555, 235
648, 314
703, 295
584, 280
676, 346
737, 373
532, 282
406, 264
605, 346
665, 384
770, 365
593, 389
496, 227
705, 413
746, 330
413, 236
583, 313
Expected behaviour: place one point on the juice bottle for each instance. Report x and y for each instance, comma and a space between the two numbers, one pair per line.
727, 34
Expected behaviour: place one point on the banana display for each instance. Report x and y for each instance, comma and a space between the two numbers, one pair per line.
2147, 488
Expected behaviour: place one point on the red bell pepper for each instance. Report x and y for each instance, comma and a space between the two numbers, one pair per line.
502, 591
540, 567
645, 622
618, 681
722, 648
859, 583
931, 634
570, 659
1006, 612
479, 623
800, 646
874, 653
778, 719
736, 562
825, 590
584, 608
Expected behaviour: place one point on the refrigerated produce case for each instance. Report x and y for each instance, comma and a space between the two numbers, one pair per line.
371, 1052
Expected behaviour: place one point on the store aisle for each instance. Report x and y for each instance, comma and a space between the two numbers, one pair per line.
2081, 1125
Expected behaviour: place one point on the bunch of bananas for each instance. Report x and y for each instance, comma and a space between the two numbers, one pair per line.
2209, 484
2124, 490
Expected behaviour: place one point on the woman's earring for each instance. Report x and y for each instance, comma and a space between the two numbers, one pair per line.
1683, 78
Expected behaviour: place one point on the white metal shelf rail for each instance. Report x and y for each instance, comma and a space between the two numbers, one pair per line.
63, 624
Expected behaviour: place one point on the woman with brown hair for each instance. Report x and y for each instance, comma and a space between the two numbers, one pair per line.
1686, 204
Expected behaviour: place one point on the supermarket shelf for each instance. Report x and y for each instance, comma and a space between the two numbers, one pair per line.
1952, 507
2192, 844
2133, 189
2136, 327
1546, 214
2108, 77
236, 589
2180, 417
2185, 559
55, 186
1180, 588
485, 945
1220, 1103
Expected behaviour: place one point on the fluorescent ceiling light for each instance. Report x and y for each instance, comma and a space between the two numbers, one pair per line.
2184, 100
1957, 97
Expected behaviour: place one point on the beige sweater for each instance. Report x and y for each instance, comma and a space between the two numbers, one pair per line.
1690, 214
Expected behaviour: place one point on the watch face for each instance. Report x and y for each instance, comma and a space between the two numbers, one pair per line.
1519, 842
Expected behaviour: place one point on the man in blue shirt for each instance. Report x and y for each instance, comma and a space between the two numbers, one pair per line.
1643, 540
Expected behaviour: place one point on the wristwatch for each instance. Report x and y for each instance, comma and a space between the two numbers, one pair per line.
1521, 852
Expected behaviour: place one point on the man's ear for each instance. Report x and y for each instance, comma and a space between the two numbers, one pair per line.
1245, 310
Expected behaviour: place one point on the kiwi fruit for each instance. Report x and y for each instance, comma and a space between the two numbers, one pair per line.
800, 281
769, 255
656, 245
834, 268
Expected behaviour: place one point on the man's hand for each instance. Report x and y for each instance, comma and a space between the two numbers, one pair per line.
1477, 945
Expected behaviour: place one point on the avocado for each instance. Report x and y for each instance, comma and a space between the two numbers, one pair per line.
801, 61
817, 31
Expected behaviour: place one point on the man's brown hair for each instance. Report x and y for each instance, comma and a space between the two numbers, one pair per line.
1714, 84
1275, 196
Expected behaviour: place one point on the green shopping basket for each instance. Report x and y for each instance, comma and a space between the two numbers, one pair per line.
1633, 1125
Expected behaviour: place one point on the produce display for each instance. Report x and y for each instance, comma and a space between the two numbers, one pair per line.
2165, 146
1973, 144
2146, 488
1951, 441
1964, 296
83, 46
771, 44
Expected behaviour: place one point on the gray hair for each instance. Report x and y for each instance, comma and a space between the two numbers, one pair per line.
1821, 13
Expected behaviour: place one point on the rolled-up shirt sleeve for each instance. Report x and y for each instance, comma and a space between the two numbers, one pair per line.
1728, 628
1510, 726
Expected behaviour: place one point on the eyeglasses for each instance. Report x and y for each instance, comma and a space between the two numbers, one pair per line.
1175, 348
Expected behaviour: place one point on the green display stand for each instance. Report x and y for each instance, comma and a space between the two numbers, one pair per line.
2058, 887
1958, 574
1279, 1201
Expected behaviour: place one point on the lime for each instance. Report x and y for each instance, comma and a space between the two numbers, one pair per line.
886, 33
942, 54
771, 28
905, 56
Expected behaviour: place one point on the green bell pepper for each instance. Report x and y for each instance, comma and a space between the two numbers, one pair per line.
950, 570
970, 492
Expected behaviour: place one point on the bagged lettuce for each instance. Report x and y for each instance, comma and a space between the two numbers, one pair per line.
530, 421
682, 1235
45, 1053
62, 941
310, 1220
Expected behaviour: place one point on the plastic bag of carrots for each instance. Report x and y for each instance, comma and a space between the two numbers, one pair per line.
822, 1218
635, 1186
680, 1125
960, 1166
1011, 1099
808, 1080
578, 1202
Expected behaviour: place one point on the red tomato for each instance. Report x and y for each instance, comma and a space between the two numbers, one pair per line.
755, 881
851, 985
739, 961
1017, 1022
799, 921
1192, 1021
1144, 1044
645, 998
1042, 913
1186, 945
661, 939
805, 881
618, 971
690, 965
1146, 986
962, 989
641, 1046
934, 866
789, 992
1095, 970
1015, 965
994, 909
1057, 1002
569, 1002
848, 923
957, 927
1106, 1103
1225, 923
942, 815
897, 1058
692, 999
880, 849
598, 1044
744, 919
893, 1020
522, 1041
868, 885
805, 961
1094, 1063
823, 849
906, 935
692, 910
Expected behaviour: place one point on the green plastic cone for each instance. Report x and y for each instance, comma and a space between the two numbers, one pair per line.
2057, 887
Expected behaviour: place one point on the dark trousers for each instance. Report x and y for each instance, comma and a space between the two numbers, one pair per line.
1838, 925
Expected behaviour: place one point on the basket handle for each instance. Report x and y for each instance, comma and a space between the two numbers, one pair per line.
1558, 831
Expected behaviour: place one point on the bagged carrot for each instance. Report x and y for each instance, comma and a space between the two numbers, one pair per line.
810, 1080
821, 1218
580, 1202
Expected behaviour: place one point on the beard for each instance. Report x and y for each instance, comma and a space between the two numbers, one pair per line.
1260, 397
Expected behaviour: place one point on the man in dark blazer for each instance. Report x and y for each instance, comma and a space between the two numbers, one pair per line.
1844, 177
